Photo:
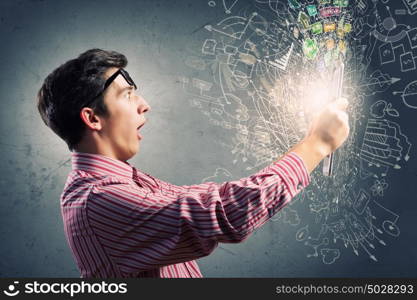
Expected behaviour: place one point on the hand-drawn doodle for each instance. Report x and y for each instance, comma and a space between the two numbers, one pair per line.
266, 63
380, 109
329, 256
409, 95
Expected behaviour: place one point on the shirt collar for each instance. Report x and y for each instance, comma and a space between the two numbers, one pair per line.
100, 164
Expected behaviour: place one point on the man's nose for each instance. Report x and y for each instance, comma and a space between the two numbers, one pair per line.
143, 106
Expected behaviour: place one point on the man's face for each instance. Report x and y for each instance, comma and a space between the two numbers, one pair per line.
126, 113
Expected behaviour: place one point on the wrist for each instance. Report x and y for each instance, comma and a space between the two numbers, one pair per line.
320, 148
312, 150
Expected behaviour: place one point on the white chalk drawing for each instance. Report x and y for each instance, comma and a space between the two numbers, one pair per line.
409, 95
260, 84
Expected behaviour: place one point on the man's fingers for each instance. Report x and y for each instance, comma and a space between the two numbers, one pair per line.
344, 117
341, 103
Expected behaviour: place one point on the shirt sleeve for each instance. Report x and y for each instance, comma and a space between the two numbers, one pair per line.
143, 230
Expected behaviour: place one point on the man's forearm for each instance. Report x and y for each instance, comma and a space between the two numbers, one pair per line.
312, 151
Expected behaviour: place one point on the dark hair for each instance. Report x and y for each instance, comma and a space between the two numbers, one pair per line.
70, 87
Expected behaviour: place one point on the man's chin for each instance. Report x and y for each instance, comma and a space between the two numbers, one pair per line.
135, 151
130, 153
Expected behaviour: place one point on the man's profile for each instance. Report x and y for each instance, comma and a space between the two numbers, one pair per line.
121, 222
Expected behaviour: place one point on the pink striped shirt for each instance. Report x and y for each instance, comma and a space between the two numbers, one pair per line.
121, 222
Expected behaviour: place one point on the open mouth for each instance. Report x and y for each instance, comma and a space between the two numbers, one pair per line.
137, 130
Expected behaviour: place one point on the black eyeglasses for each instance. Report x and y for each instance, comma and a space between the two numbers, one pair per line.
122, 72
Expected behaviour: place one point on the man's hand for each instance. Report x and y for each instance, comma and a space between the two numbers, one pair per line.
328, 131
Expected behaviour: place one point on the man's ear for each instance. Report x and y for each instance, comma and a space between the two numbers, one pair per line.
90, 119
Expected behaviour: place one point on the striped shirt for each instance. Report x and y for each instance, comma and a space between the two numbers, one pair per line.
121, 222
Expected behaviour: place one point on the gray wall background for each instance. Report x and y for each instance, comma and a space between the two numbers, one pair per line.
179, 145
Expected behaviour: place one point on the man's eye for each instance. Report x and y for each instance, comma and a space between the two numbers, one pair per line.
128, 95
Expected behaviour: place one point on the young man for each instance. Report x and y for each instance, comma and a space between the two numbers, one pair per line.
121, 222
